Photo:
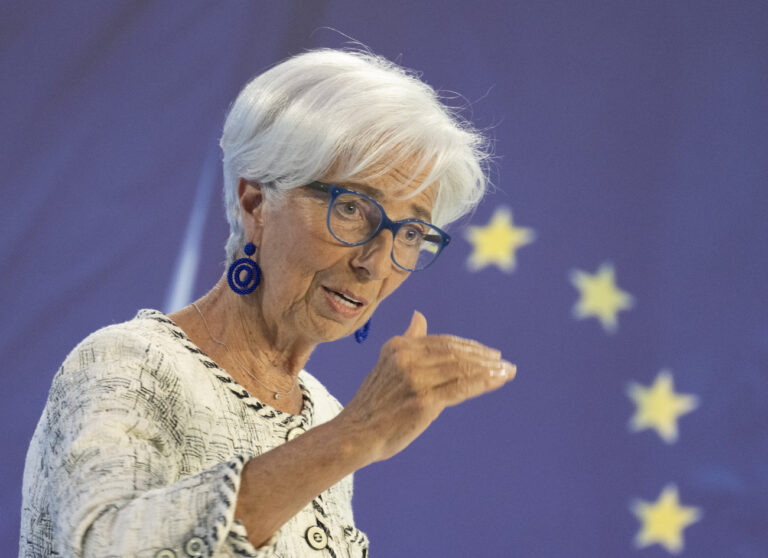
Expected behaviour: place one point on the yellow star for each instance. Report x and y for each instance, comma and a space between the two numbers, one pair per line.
497, 242
600, 297
659, 407
663, 521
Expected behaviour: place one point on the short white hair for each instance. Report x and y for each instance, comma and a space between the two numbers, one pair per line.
355, 114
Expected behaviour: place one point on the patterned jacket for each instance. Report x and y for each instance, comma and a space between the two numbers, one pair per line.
139, 453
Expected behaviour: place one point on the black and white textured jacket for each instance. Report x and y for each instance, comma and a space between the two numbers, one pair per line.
139, 453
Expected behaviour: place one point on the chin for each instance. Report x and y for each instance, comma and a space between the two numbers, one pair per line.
327, 331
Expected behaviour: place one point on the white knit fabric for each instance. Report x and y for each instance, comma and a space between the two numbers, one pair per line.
139, 453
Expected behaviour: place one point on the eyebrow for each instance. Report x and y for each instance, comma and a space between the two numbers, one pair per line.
419, 211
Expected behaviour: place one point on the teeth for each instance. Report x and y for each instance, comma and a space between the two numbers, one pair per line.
344, 300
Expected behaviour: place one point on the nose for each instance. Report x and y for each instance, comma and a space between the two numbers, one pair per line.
373, 259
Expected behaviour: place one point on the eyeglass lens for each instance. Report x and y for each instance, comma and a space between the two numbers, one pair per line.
355, 220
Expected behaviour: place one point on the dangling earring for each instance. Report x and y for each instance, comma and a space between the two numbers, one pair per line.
362, 333
244, 285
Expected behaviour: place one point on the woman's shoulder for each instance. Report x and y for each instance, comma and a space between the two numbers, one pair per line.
123, 369
133, 342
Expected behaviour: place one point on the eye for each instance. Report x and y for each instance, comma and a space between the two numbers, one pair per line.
412, 234
349, 208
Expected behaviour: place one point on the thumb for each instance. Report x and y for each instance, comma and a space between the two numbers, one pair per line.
418, 325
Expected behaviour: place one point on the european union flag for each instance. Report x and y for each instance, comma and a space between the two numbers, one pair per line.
620, 262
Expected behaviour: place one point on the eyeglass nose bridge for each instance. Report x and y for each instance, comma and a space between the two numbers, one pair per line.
385, 223
370, 246
388, 224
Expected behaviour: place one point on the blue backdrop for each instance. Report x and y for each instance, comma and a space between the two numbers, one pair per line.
621, 261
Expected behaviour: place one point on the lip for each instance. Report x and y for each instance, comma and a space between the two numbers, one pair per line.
349, 294
342, 309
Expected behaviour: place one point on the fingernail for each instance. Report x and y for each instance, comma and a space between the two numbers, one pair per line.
504, 370
498, 372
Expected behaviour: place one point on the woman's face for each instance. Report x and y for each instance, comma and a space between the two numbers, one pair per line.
307, 274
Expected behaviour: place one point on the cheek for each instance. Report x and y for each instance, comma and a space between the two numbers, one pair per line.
294, 252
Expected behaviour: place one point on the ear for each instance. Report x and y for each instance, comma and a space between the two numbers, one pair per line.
251, 196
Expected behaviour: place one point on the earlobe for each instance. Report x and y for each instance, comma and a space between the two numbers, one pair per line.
251, 196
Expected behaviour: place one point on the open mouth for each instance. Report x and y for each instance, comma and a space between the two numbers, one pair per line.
344, 299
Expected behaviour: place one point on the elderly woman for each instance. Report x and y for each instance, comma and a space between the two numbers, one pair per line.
200, 433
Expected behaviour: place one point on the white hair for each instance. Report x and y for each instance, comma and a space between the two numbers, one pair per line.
355, 114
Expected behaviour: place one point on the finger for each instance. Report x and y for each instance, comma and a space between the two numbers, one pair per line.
418, 359
426, 377
417, 327
461, 389
442, 345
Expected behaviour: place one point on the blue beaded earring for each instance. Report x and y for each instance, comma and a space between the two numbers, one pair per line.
244, 275
362, 333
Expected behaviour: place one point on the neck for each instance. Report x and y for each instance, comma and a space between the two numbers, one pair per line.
235, 333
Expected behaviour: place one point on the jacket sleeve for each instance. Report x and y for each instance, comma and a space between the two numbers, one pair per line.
108, 455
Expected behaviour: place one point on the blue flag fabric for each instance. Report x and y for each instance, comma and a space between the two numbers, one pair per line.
620, 262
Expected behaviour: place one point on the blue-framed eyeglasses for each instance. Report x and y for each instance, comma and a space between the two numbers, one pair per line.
354, 219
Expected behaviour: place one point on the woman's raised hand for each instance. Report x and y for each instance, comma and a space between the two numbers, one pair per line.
416, 377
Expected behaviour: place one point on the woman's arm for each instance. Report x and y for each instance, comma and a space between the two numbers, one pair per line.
276, 485
417, 376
